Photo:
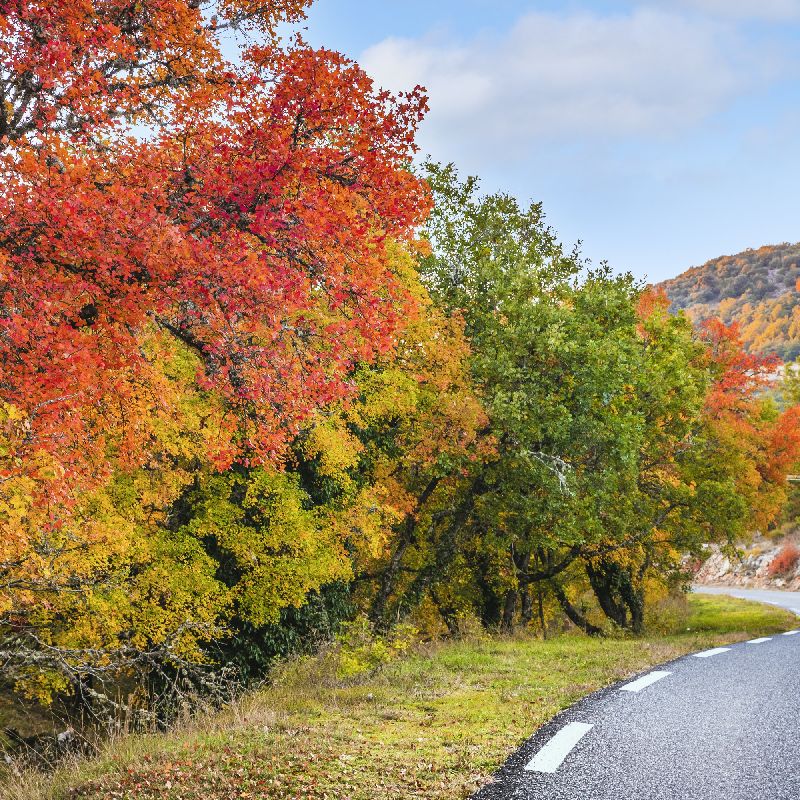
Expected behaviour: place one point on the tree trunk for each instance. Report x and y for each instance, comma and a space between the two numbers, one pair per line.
406, 538
572, 613
540, 606
527, 606
491, 610
509, 609
604, 580
637, 615
619, 594
446, 547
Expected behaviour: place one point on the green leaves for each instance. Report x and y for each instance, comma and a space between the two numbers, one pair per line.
612, 417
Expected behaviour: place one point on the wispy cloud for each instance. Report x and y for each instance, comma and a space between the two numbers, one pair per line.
574, 75
771, 10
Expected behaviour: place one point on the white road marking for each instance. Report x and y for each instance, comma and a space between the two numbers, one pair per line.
791, 633
552, 755
644, 681
714, 652
761, 640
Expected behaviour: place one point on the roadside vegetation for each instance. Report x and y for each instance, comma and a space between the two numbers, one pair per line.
434, 723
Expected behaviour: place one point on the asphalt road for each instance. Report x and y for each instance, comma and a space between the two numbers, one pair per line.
723, 726
790, 600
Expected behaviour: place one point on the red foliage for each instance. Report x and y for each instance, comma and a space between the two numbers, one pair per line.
786, 560
73, 66
783, 444
651, 301
768, 445
255, 225
739, 375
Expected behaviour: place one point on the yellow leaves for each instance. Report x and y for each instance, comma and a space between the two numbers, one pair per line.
168, 539
177, 584
181, 422
367, 522
334, 447
14, 426
45, 466
9, 412
388, 393
16, 501
42, 686
281, 548
358, 651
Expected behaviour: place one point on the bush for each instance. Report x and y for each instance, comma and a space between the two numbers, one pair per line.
668, 615
785, 561
254, 651
359, 652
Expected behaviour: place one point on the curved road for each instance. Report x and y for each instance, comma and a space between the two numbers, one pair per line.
718, 725
790, 600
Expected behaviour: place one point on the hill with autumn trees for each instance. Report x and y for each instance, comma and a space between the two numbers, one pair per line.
757, 289
266, 380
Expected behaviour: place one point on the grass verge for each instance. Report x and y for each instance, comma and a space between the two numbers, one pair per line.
433, 725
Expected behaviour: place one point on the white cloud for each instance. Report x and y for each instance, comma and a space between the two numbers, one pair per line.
774, 10
581, 75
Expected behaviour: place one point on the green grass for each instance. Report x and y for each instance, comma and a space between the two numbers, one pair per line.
721, 614
433, 725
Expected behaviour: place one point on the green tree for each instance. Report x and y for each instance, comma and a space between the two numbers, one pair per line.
555, 345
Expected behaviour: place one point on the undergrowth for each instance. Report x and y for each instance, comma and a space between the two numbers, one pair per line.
434, 722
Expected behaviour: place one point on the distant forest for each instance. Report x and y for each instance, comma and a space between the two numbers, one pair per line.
757, 288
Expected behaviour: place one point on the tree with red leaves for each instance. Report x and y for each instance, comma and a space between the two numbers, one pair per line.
250, 223
761, 444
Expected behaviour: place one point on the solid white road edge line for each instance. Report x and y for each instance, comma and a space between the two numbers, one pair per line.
761, 640
714, 652
644, 681
552, 755
791, 633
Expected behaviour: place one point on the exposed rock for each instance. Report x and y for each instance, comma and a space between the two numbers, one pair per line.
752, 568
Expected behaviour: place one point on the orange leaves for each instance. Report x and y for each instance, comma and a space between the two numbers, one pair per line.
764, 445
187, 298
785, 561
255, 229
756, 288
76, 66
652, 301
783, 444
739, 375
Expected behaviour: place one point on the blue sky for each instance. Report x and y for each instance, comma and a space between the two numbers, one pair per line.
660, 133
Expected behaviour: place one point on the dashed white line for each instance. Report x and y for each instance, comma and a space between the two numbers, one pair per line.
644, 681
552, 755
791, 633
761, 640
713, 652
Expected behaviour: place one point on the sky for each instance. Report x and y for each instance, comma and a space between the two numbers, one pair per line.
659, 133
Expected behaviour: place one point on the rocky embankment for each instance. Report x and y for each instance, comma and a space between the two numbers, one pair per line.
763, 564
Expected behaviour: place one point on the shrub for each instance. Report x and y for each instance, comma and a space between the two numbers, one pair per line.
359, 651
785, 561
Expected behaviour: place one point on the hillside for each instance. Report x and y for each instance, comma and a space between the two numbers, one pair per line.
764, 563
756, 288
